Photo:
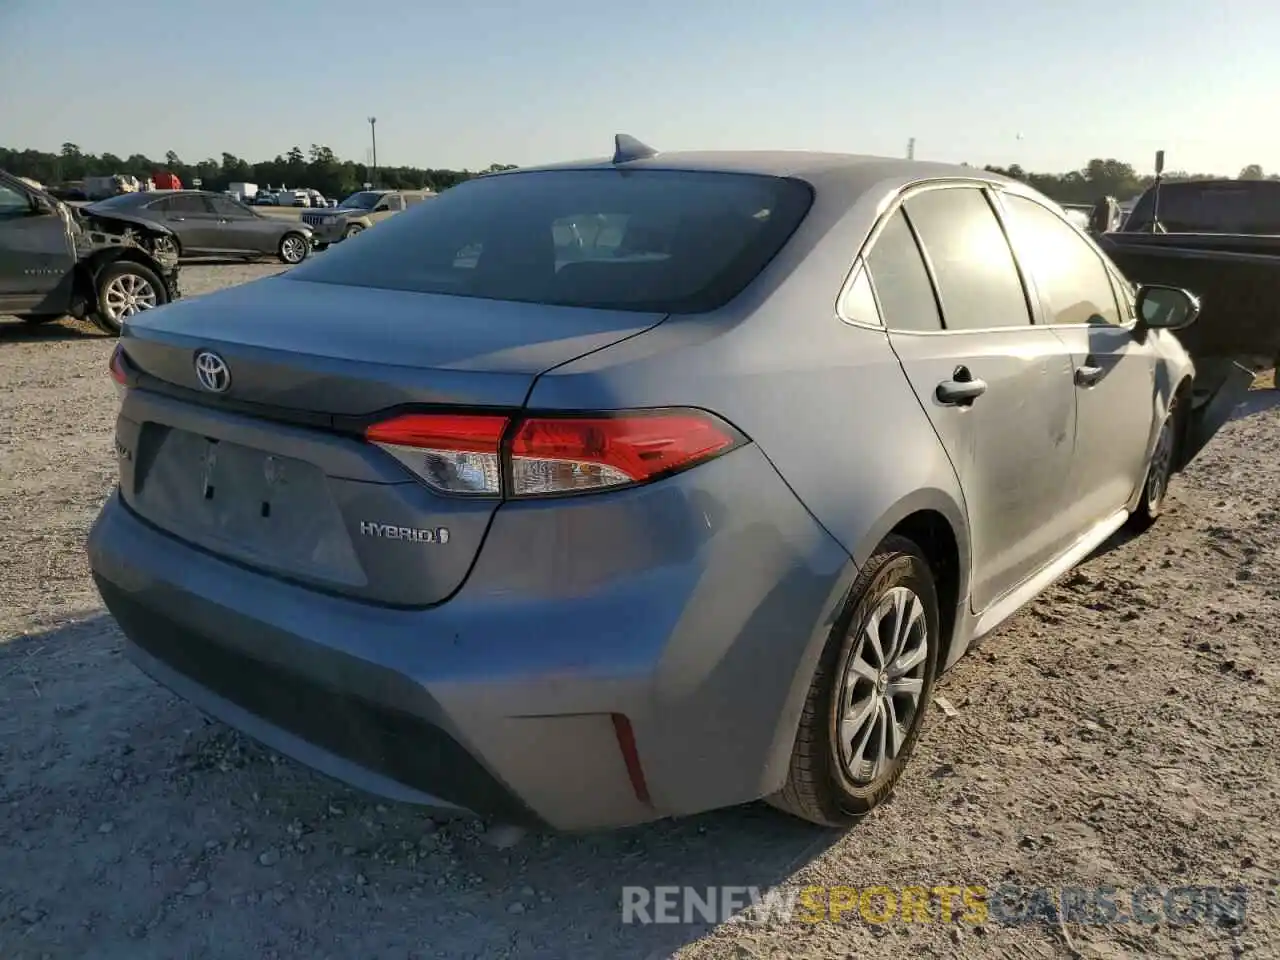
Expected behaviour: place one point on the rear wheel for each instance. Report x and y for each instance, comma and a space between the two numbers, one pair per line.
869, 695
294, 248
125, 288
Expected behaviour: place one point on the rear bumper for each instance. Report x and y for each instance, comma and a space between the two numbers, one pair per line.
502, 701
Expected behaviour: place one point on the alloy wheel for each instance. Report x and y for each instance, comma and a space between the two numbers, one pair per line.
127, 295
293, 249
882, 686
1161, 460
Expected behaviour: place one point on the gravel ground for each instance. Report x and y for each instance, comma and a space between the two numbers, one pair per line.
1122, 730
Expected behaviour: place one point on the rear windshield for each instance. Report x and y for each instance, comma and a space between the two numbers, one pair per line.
650, 240
1231, 206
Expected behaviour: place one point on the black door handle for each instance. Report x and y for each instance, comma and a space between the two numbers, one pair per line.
961, 390
1088, 373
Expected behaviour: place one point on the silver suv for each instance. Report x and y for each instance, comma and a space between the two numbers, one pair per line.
359, 212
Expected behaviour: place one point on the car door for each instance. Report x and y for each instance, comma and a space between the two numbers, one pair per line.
36, 254
192, 219
1114, 371
996, 388
240, 229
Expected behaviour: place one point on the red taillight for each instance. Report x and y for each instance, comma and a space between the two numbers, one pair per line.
463, 453
563, 455
118, 371
452, 452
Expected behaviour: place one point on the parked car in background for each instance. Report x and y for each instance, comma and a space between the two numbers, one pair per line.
69, 191
293, 198
204, 223
359, 212
99, 188
264, 198
683, 507
56, 261
244, 192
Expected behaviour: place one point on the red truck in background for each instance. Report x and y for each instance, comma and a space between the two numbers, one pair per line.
167, 181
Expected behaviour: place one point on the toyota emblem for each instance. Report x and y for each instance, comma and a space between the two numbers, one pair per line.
212, 372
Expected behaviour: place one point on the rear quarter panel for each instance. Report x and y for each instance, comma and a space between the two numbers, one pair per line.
826, 401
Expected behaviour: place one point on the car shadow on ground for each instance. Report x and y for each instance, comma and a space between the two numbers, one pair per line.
1256, 402
269, 845
13, 330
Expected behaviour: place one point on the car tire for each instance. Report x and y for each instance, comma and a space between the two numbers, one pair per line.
351, 231
842, 768
1155, 484
293, 249
122, 289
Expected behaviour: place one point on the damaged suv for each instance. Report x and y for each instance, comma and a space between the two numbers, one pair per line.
56, 261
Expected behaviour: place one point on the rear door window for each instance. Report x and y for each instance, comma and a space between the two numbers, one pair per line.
859, 303
226, 207
666, 241
188, 203
978, 281
900, 280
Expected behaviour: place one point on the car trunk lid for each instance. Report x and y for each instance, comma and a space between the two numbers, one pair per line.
274, 472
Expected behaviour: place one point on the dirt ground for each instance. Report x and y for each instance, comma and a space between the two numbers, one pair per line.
1122, 730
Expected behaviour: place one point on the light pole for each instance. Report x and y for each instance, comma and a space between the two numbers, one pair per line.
373, 133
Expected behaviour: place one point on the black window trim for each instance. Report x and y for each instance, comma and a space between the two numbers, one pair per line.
860, 267
1042, 312
895, 202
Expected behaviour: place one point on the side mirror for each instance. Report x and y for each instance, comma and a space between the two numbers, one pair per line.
1166, 308
41, 206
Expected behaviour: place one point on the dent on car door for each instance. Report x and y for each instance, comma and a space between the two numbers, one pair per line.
1123, 386
36, 254
996, 388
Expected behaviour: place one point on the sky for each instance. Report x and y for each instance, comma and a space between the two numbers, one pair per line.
465, 84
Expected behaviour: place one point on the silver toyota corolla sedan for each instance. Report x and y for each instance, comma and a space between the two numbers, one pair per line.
598, 493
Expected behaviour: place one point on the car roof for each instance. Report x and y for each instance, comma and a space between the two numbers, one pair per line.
844, 173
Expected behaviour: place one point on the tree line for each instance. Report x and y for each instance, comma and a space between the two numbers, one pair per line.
319, 169
1103, 178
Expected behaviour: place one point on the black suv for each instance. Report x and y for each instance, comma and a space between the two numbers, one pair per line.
55, 261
